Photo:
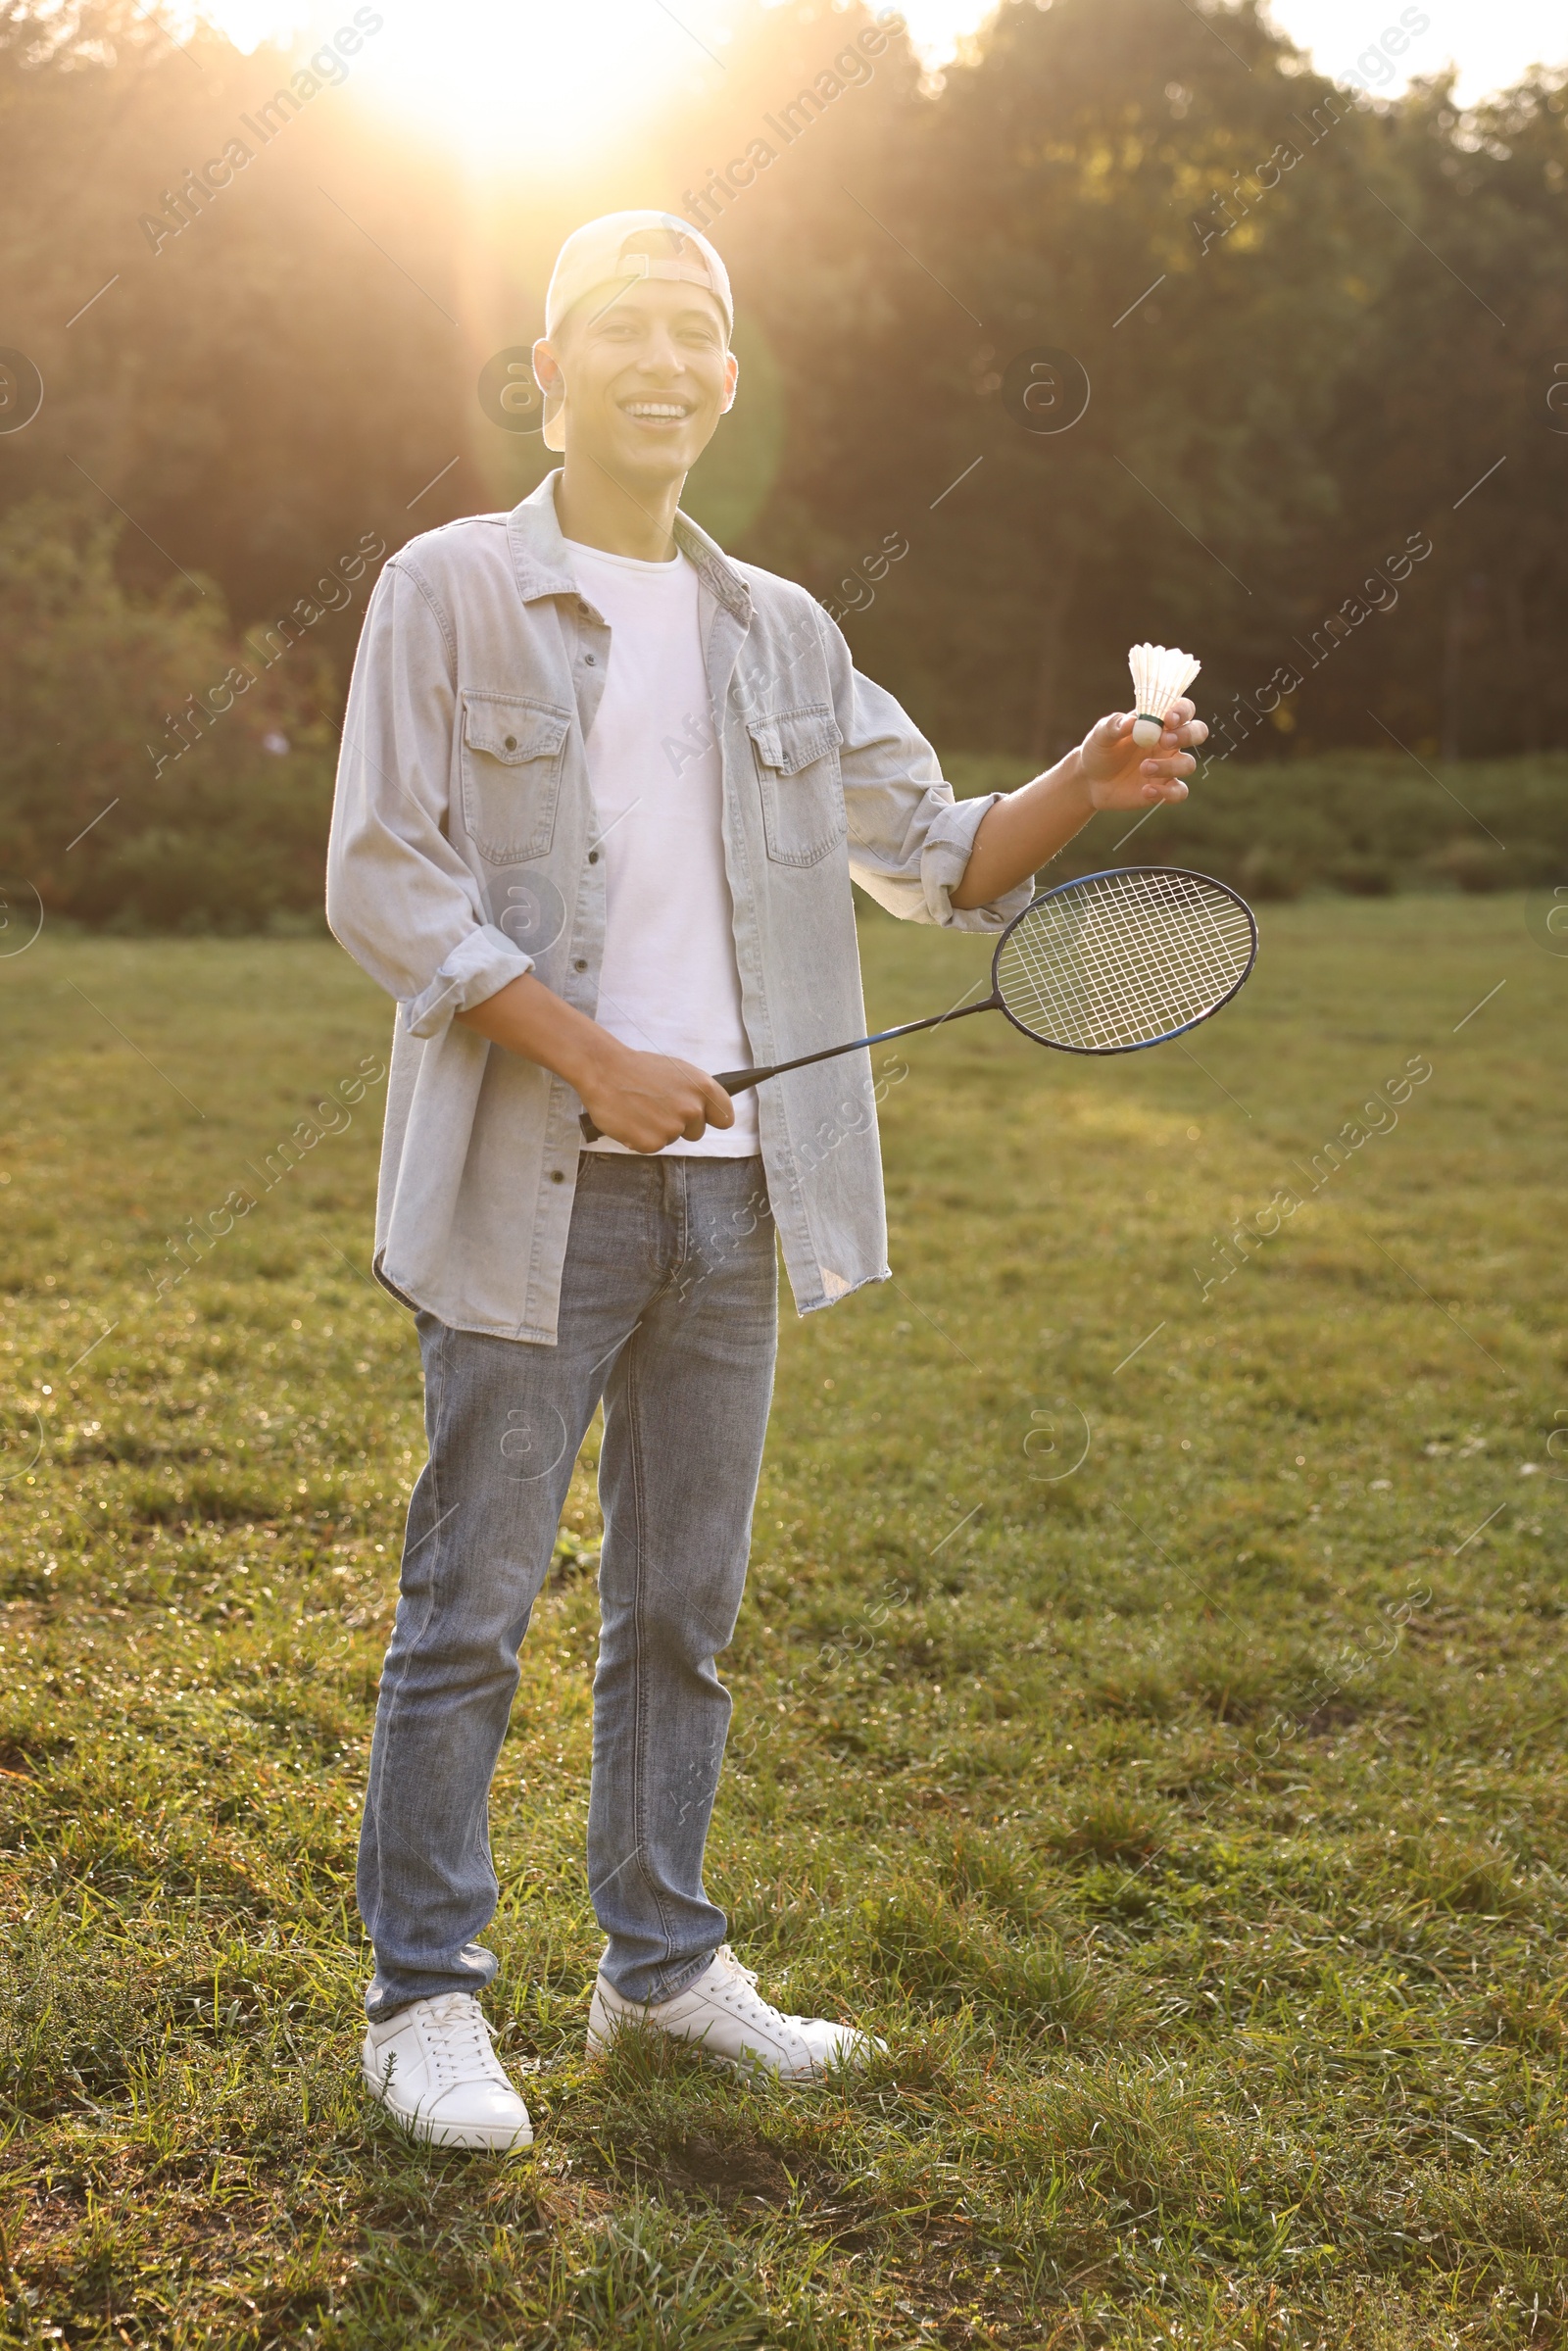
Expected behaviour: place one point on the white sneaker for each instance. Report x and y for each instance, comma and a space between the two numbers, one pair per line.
432, 2065
723, 2012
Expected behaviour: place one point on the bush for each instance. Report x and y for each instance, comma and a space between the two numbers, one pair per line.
1265, 874
1359, 822
1363, 877
1475, 865
153, 775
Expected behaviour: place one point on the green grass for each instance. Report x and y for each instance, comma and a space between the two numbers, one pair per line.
1191, 1823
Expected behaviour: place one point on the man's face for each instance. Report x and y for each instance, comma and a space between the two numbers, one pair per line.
647, 374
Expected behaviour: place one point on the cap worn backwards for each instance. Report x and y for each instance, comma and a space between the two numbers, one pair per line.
621, 248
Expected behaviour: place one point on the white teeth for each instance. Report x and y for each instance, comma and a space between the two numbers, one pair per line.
653, 408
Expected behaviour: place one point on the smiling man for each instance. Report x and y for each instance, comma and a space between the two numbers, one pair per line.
602, 796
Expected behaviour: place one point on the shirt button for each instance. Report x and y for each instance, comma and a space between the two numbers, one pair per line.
590, 661
592, 856
557, 1176
581, 964
512, 741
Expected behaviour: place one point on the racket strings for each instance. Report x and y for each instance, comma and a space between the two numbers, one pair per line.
1124, 958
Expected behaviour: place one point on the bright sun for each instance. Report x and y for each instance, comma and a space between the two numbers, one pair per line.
558, 81
510, 80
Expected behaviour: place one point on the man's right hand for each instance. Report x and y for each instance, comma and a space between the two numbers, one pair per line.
642, 1100
648, 1099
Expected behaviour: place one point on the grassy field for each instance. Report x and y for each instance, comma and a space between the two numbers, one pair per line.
1149, 1700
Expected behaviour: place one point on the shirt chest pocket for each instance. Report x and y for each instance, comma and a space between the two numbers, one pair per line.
512, 753
796, 758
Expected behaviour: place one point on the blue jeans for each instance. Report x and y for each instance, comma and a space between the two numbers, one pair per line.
669, 1312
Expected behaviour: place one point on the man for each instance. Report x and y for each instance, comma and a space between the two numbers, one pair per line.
600, 797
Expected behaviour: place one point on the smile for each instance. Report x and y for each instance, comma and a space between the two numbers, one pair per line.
657, 412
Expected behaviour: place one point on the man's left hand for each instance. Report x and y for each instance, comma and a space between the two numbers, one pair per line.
1024, 830
1119, 775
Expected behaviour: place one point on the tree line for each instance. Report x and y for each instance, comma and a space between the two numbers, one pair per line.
1130, 324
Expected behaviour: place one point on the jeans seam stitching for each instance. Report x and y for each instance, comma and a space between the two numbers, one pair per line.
634, 1451
397, 1694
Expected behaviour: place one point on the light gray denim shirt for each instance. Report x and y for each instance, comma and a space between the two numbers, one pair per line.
465, 851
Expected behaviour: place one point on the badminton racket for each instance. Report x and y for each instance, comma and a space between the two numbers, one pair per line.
1108, 963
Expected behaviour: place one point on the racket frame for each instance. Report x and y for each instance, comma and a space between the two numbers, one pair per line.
1110, 873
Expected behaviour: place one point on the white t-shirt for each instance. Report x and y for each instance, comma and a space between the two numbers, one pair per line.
669, 983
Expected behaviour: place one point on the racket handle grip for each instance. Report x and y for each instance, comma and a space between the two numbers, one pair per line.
732, 1081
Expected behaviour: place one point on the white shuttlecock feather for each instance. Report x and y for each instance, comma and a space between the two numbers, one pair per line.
1159, 675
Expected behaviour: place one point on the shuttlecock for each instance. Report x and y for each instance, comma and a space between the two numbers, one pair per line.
1159, 675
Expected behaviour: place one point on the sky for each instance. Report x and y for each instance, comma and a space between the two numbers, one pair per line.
548, 78
1491, 41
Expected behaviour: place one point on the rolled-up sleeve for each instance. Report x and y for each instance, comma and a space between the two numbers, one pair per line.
483, 961
398, 894
910, 839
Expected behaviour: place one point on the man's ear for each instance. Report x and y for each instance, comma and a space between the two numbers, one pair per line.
545, 366
732, 370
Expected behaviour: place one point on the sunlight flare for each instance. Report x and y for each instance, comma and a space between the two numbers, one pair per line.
503, 84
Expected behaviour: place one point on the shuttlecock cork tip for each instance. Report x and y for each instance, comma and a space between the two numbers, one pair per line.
1160, 674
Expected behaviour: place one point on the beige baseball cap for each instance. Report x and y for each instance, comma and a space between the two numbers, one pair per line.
620, 248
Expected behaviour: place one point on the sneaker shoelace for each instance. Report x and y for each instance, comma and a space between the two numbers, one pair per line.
457, 2034
752, 2000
